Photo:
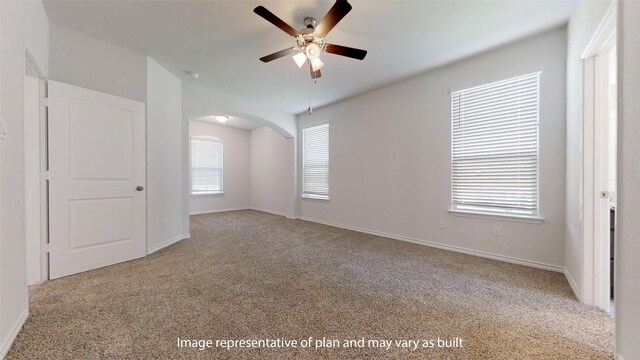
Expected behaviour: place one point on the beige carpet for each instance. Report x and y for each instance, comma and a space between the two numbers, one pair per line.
252, 275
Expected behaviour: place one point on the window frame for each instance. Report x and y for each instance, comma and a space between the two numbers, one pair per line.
497, 212
312, 196
213, 140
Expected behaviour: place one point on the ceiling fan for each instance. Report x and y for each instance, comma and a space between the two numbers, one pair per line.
310, 40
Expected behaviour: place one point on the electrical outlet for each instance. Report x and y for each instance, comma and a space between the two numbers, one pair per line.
441, 224
497, 230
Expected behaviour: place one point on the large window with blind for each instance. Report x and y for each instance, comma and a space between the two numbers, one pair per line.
494, 148
206, 165
315, 162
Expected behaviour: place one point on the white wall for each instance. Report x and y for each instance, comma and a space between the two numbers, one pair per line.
112, 69
390, 157
236, 169
24, 25
85, 61
200, 101
272, 172
165, 206
581, 28
258, 170
3, 342
628, 227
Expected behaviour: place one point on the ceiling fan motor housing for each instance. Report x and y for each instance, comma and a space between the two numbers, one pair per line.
308, 33
310, 22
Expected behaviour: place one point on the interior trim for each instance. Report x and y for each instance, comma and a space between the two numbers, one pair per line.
509, 259
573, 284
217, 211
6, 344
168, 242
270, 212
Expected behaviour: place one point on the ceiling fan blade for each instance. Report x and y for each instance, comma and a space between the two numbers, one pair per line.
270, 17
279, 54
339, 10
314, 74
345, 51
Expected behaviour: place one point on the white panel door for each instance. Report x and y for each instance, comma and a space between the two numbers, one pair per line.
97, 212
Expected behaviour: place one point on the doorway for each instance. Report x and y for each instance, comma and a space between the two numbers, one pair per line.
600, 132
605, 173
34, 167
85, 205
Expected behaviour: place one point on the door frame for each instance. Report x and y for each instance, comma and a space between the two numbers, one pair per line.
35, 136
595, 289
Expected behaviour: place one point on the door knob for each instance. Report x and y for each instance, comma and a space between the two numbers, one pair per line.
139, 188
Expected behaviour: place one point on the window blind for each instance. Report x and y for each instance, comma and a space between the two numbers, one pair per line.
206, 166
495, 147
315, 162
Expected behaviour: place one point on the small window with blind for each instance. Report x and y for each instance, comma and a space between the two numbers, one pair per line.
494, 150
206, 165
315, 162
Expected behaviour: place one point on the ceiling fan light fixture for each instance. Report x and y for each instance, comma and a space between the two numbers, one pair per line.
300, 58
222, 118
316, 64
313, 51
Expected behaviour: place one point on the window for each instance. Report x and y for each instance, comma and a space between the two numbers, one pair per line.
206, 165
315, 162
494, 148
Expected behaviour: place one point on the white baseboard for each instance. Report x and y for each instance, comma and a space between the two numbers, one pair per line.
509, 259
166, 243
573, 284
33, 287
8, 341
269, 211
242, 208
217, 211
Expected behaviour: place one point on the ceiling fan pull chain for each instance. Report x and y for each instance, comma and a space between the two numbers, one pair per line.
309, 109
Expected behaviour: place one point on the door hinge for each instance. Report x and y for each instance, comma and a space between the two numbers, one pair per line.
46, 248
46, 175
604, 194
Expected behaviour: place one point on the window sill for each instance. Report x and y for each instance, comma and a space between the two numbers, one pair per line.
208, 194
315, 197
492, 216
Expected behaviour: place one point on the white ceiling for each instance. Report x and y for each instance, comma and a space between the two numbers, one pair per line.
222, 40
233, 121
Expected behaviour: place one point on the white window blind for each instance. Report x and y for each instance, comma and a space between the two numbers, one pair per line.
206, 165
315, 162
495, 147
